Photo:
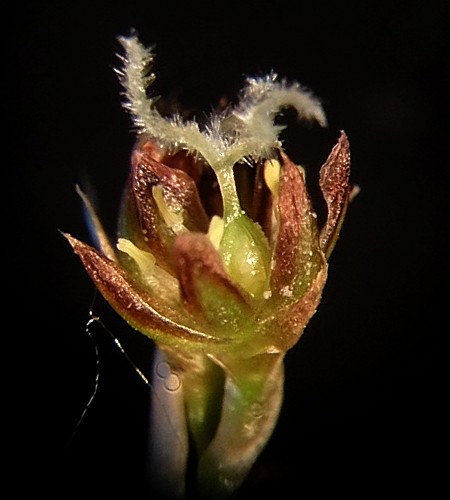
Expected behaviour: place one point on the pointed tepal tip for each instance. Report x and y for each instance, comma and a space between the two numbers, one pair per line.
74, 243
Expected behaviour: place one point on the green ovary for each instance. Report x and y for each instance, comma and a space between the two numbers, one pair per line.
246, 254
243, 246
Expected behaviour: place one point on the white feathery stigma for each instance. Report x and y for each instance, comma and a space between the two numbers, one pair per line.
245, 131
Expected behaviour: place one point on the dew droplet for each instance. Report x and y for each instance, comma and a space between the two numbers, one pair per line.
162, 369
172, 381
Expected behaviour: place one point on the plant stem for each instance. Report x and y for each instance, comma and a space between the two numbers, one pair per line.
252, 401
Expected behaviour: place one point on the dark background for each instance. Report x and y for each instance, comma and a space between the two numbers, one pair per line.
365, 393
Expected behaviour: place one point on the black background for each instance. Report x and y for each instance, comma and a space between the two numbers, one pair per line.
365, 392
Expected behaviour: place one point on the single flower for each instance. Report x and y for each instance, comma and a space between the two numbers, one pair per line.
219, 260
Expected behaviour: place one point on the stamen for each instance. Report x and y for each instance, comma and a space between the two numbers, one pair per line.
272, 170
172, 218
152, 275
215, 231
144, 260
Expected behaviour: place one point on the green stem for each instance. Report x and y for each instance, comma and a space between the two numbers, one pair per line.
187, 392
251, 404
203, 392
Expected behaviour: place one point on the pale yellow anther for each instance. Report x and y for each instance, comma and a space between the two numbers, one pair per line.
153, 276
144, 260
173, 219
272, 170
215, 231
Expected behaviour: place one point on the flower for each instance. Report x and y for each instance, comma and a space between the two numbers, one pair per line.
219, 258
